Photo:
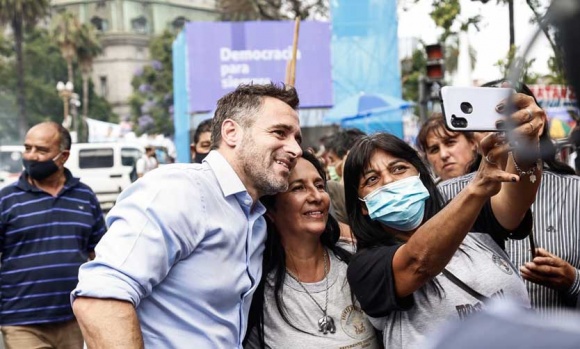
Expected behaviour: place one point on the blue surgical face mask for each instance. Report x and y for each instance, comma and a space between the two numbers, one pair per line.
399, 205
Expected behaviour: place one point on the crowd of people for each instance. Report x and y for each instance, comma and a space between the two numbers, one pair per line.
368, 242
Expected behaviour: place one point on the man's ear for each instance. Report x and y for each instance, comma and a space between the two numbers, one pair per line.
65, 155
231, 133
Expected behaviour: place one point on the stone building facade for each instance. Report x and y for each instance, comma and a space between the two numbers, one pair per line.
126, 27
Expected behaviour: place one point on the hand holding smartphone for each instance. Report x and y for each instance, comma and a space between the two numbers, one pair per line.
473, 108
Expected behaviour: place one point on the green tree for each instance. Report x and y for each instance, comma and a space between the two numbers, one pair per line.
412, 69
88, 47
66, 36
245, 10
445, 14
18, 14
556, 62
527, 77
556, 75
44, 68
152, 100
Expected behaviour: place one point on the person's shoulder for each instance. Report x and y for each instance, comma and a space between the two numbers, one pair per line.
9, 190
182, 173
461, 180
363, 258
548, 176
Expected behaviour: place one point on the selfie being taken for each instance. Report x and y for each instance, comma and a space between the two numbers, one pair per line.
345, 174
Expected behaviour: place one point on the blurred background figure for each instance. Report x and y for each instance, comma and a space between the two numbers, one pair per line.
449, 153
337, 148
510, 327
201, 144
147, 162
303, 299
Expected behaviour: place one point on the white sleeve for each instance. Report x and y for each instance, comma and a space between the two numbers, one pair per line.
140, 166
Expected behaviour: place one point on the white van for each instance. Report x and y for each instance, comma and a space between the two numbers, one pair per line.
10, 163
105, 167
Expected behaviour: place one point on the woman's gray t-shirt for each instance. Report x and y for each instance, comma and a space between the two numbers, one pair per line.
353, 329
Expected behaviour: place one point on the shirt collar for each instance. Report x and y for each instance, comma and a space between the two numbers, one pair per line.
230, 183
25, 185
228, 179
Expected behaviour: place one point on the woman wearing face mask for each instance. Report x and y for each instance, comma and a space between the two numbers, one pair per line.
416, 265
303, 299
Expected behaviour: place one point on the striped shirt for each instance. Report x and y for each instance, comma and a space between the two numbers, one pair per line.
44, 240
556, 229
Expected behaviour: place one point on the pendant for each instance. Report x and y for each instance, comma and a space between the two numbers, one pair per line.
533, 178
326, 324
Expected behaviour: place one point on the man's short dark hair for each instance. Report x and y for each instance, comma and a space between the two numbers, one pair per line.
204, 126
244, 102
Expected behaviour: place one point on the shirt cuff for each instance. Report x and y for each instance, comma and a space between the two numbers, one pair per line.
106, 286
575, 288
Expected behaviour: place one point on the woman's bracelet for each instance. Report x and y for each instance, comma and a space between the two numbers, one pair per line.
530, 172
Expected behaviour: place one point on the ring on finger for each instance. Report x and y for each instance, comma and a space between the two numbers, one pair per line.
490, 160
532, 125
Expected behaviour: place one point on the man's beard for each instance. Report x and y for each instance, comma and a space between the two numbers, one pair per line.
260, 170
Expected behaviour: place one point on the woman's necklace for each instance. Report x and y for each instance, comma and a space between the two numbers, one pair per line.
325, 323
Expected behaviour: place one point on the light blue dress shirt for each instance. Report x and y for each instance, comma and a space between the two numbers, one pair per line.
185, 248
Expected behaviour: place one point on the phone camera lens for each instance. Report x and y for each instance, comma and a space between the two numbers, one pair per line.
466, 107
458, 122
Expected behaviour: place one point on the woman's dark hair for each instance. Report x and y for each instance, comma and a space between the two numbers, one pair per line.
547, 148
275, 260
370, 233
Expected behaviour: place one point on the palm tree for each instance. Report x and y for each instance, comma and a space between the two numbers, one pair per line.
18, 13
64, 35
88, 47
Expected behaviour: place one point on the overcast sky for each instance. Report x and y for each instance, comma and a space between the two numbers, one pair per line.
491, 42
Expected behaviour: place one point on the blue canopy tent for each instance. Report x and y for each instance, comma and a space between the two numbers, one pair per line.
370, 113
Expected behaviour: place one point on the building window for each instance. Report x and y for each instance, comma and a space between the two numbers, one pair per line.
96, 158
139, 25
100, 24
178, 23
104, 87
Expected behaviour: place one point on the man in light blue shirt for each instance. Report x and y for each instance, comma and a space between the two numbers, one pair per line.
183, 254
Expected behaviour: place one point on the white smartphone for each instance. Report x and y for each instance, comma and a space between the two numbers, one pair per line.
473, 108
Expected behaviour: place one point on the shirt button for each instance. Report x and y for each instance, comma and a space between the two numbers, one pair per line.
248, 202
